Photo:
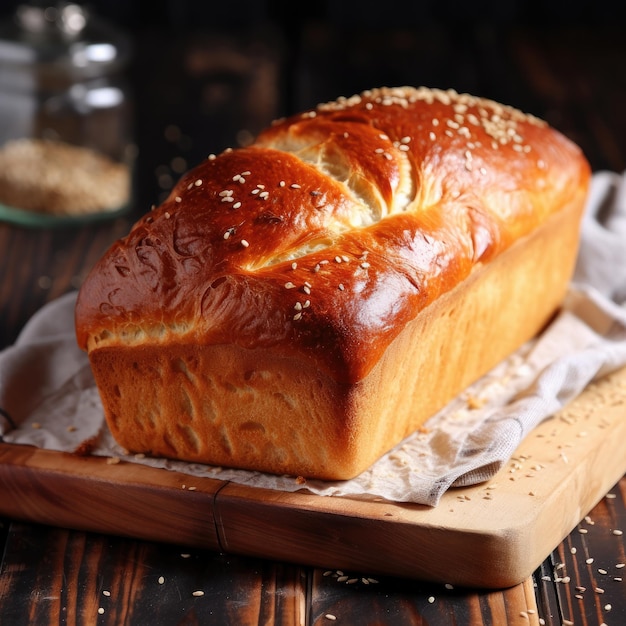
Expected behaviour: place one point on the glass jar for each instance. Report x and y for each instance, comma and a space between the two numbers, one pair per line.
66, 146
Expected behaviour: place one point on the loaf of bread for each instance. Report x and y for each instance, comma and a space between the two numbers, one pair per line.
301, 305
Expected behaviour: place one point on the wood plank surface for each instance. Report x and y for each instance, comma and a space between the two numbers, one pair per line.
492, 535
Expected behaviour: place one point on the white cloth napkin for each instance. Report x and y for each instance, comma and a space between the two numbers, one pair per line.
48, 397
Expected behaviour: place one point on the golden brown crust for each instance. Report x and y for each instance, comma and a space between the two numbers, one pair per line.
323, 240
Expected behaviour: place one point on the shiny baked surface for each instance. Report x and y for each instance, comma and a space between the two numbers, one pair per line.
334, 229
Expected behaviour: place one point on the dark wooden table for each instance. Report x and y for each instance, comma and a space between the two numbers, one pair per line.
198, 94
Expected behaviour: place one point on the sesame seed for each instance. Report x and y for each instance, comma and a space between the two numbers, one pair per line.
340, 287
289, 285
178, 199
295, 186
294, 265
101, 611
365, 265
330, 617
431, 599
297, 316
602, 571
167, 215
244, 243
198, 594
161, 580
198, 182
306, 290
298, 306
618, 533
282, 183
106, 593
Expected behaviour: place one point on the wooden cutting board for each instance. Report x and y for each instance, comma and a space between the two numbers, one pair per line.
492, 535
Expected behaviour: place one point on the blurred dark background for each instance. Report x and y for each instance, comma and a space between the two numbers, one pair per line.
208, 75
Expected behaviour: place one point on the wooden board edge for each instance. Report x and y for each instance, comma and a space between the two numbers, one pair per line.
91, 494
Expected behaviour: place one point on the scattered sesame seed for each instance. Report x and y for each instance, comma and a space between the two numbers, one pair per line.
431, 599
237, 205
602, 571
198, 594
101, 611
589, 561
289, 285
198, 182
618, 533
330, 617
295, 186
106, 593
244, 243
161, 580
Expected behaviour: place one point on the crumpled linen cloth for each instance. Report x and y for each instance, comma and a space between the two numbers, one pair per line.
48, 396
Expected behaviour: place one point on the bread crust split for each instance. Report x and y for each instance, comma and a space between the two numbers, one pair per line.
301, 305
